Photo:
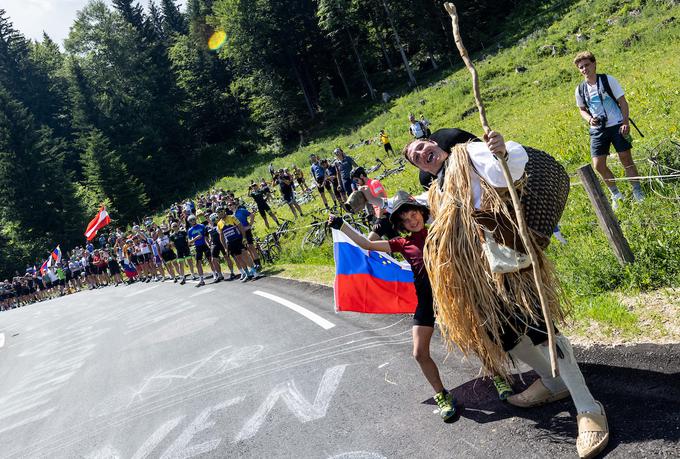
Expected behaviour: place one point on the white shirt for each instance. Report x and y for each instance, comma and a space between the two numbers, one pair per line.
600, 103
488, 168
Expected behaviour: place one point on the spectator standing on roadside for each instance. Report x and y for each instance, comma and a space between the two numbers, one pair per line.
385, 140
344, 164
196, 235
299, 177
285, 182
318, 173
602, 103
260, 198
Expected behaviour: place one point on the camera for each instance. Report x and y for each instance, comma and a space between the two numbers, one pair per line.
600, 120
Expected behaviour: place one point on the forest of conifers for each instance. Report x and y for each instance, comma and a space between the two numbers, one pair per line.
135, 108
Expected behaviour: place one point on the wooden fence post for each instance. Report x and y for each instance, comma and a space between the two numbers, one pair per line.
605, 215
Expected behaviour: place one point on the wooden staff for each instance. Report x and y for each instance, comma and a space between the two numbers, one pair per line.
521, 223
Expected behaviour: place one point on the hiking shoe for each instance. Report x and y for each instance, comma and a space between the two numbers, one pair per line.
201, 283
502, 387
638, 195
446, 405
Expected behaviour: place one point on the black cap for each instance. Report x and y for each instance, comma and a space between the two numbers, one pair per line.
357, 172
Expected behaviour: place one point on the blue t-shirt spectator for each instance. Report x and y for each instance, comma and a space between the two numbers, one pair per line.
242, 215
345, 166
318, 172
197, 230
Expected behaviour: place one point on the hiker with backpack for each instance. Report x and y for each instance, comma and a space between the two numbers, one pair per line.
602, 103
417, 129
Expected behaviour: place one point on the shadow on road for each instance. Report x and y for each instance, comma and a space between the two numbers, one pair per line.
642, 404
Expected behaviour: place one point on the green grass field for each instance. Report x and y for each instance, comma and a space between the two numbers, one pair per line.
636, 41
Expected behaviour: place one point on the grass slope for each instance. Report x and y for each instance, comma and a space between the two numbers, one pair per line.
637, 41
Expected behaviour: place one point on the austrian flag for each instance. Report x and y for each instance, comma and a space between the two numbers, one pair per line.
98, 222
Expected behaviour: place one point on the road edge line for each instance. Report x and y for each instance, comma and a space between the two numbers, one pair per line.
317, 319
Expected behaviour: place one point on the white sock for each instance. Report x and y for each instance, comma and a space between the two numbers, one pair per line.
530, 354
572, 376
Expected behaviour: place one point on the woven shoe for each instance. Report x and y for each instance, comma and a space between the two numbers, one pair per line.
535, 395
593, 433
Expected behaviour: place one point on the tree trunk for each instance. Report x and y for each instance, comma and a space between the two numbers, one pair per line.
434, 63
308, 101
381, 39
342, 77
371, 91
407, 66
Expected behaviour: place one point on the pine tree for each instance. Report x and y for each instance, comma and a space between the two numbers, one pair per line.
106, 177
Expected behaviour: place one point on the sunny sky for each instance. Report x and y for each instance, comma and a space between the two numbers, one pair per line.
32, 17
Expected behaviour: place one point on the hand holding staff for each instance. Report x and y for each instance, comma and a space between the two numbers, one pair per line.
492, 140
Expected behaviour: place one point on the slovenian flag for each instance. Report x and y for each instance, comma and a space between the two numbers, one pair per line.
98, 222
56, 255
371, 282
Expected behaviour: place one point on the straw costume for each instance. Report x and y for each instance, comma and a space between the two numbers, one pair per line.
481, 311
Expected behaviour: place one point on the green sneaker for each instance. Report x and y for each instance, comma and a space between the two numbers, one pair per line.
445, 402
503, 388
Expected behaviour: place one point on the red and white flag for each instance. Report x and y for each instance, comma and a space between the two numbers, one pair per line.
98, 222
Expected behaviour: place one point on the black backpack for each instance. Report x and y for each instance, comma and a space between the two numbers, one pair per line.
602, 79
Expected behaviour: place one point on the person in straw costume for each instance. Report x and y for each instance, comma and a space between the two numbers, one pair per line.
487, 310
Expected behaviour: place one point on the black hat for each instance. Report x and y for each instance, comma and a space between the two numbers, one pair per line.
357, 172
402, 201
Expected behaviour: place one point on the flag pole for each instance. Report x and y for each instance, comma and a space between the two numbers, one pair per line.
521, 223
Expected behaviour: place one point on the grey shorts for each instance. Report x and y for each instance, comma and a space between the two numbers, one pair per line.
602, 138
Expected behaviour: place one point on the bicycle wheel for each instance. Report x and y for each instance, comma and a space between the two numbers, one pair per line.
274, 251
320, 235
312, 236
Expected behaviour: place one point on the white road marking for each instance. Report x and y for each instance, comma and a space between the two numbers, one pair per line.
139, 292
320, 321
302, 408
202, 292
2, 340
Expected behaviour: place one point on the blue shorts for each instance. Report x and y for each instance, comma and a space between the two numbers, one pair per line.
348, 185
602, 138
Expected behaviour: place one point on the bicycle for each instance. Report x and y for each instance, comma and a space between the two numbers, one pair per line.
268, 249
377, 166
316, 235
400, 167
358, 222
305, 196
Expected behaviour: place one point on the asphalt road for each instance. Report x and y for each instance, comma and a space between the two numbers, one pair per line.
162, 370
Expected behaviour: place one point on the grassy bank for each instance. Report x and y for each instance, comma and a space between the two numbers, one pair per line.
528, 82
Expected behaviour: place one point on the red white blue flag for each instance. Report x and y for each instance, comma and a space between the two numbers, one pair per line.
56, 255
371, 282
